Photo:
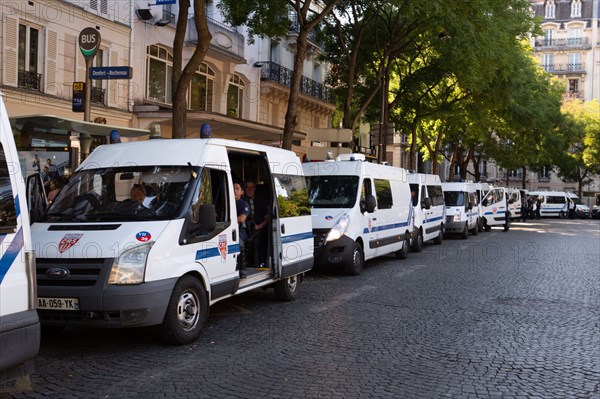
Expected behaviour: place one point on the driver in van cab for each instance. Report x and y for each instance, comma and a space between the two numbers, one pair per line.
137, 193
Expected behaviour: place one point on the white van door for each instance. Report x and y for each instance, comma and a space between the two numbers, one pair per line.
494, 206
293, 237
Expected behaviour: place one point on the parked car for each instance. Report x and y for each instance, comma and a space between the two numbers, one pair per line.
595, 212
583, 211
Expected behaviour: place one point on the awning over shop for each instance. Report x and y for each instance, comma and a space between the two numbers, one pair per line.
49, 124
222, 126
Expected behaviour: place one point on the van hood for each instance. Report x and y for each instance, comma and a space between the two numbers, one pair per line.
87, 240
326, 218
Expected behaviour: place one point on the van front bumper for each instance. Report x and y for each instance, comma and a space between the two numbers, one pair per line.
111, 306
333, 253
455, 227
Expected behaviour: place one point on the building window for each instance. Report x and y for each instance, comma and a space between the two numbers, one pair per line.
548, 38
201, 89
576, 9
574, 62
97, 84
235, 96
548, 62
159, 69
574, 36
550, 9
29, 52
573, 86
483, 168
544, 174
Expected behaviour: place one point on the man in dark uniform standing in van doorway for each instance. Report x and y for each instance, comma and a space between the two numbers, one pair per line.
257, 223
243, 210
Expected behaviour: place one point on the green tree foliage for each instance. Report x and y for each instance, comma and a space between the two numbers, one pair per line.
272, 18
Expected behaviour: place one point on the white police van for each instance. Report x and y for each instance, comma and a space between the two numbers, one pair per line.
360, 211
105, 260
553, 203
494, 206
19, 324
515, 196
461, 208
429, 209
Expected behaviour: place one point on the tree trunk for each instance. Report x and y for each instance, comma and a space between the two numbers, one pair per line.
291, 116
524, 178
181, 79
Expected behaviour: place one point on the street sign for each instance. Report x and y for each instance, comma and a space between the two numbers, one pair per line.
78, 96
119, 72
89, 42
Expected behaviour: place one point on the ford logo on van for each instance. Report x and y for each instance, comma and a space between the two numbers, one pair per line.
57, 272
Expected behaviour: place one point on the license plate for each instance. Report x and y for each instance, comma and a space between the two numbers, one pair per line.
58, 303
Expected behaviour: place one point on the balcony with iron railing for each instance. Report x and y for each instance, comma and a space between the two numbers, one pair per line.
270, 71
30, 80
571, 42
98, 95
543, 179
225, 39
294, 28
559, 69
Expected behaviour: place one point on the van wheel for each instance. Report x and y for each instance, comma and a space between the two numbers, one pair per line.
480, 224
186, 313
440, 237
562, 215
287, 289
465, 233
417, 244
475, 230
354, 268
403, 253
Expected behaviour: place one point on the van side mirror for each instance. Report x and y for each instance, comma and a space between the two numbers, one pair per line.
206, 220
427, 203
371, 203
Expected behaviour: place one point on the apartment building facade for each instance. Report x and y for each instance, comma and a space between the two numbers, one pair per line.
241, 90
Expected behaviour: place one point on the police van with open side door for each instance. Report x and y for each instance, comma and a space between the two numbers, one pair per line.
553, 203
106, 259
19, 323
429, 209
360, 210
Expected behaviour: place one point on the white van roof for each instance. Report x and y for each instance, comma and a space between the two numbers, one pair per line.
424, 178
178, 152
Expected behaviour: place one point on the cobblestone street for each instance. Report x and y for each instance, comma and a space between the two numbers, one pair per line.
500, 315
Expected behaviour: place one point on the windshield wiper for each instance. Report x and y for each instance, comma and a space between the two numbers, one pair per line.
62, 214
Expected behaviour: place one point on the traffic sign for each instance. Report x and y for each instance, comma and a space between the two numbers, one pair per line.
78, 96
89, 42
118, 72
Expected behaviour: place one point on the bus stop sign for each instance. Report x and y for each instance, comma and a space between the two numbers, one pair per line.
89, 42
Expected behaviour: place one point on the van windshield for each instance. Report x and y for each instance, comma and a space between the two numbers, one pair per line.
454, 198
122, 193
332, 191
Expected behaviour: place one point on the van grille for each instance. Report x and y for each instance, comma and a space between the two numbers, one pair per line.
81, 272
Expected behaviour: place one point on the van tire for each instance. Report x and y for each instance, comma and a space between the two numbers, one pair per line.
287, 288
440, 237
480, 224
403, 253
354, 268
475, 230
417, 244
465, 233
186, 313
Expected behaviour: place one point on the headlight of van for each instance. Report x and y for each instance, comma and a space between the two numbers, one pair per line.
129, 268
457, 217
339, 229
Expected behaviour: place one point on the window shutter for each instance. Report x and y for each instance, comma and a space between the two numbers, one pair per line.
79, 64
113, 96
51, 48
9, 58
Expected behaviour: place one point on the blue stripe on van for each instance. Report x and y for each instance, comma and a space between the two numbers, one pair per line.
385, 227
435, 219
212, 252
297, 237
17, 206
497, 213
12, 251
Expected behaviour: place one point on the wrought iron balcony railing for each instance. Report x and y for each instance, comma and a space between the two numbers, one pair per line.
578, 67
564, 42
98, 95
30, 80
282, 75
